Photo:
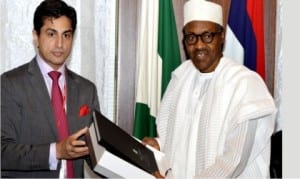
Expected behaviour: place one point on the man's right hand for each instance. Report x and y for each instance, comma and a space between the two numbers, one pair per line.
71, 147
151, 141
157, 175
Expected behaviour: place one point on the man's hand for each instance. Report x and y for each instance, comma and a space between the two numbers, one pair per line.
71, 147
157, 175
151, 141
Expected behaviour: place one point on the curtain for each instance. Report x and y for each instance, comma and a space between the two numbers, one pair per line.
278, 66
93, 54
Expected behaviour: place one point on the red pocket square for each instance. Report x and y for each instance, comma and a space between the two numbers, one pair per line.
84, 110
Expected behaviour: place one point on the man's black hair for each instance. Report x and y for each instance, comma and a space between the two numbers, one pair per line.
53, 9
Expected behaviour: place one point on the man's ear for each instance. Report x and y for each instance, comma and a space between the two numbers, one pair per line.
35, 38
223, 35
222, 40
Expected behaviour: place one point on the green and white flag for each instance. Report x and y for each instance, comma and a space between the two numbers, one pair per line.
158, 55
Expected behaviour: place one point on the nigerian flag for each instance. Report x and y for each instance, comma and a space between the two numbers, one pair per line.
157, 56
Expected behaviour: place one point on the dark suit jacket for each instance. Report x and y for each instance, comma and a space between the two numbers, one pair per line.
28, 123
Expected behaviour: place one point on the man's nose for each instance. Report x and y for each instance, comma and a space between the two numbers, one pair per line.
59, 41
199, 43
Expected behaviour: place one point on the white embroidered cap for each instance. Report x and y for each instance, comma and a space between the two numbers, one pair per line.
202, 10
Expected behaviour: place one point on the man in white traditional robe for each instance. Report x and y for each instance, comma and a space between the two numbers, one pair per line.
216, 117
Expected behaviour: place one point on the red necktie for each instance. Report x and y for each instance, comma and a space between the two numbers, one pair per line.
60, 116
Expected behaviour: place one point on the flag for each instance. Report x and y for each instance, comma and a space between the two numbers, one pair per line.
158, 55
245, 34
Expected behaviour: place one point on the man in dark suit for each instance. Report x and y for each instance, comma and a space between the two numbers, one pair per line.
31, 141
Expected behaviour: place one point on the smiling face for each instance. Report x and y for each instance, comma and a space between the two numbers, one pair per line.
55, 40
205, 56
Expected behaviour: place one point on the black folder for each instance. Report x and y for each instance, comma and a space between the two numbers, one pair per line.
120, 143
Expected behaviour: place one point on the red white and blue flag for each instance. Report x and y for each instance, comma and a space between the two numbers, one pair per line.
245, 34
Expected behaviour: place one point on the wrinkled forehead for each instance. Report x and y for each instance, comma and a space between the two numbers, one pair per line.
201, 26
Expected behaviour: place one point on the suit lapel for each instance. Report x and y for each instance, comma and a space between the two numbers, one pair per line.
39, 90
72, 100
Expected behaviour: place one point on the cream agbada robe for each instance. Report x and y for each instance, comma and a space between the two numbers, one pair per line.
223, 143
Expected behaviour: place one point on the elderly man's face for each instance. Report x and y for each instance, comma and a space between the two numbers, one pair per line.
203, 41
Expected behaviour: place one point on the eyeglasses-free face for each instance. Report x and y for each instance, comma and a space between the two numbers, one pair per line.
206, 37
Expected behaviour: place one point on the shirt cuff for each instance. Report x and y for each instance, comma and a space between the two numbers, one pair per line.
52, 157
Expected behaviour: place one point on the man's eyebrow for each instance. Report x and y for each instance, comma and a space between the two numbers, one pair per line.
68, 31
54, 30
50, 29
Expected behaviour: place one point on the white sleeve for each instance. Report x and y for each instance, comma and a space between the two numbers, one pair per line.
52, 157
237, 150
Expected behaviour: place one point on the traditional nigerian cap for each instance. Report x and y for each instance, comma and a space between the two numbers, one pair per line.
202, 10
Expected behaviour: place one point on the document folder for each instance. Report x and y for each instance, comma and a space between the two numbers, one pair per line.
120, 152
